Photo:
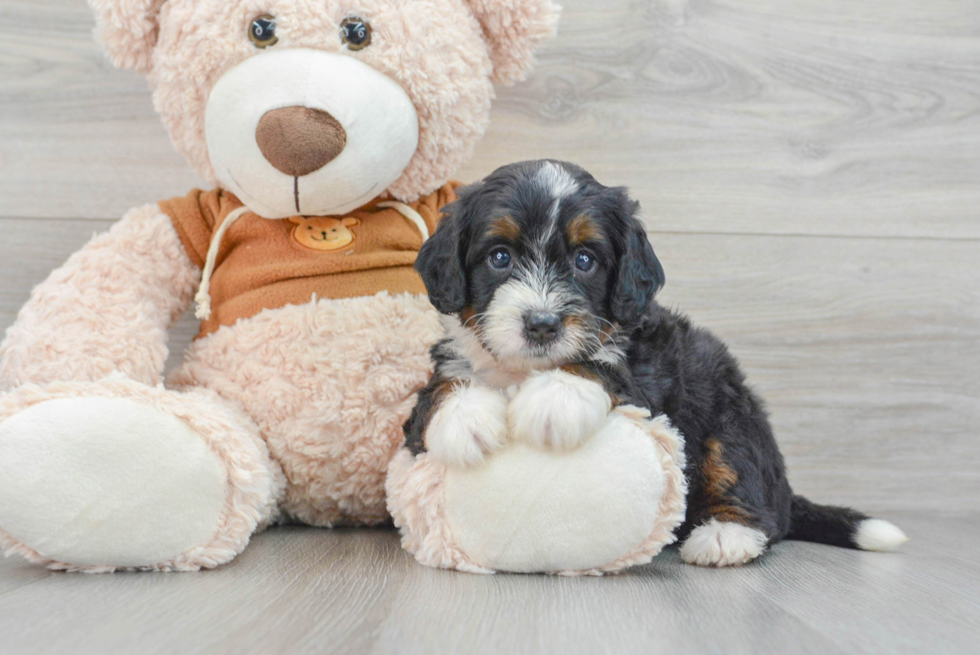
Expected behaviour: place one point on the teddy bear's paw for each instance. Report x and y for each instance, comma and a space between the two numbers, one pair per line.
558, 410
468, 425
99, 476
722, 543
107, 482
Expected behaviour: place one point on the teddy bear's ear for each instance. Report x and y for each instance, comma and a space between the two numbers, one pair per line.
127, 30
296, 220
350, 222
513, 29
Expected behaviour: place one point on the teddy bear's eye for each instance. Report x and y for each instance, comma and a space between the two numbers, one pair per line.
262, 31
356, 33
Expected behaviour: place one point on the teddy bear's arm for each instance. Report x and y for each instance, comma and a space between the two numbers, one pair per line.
106, 310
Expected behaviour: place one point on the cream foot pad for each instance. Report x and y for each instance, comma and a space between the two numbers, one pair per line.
611, 503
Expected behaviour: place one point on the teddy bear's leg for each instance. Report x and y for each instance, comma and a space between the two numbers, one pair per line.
100, 467
117, 474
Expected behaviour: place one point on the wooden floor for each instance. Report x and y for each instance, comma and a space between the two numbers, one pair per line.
810, 173
299, 590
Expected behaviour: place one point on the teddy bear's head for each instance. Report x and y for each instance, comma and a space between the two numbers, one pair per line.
316, 107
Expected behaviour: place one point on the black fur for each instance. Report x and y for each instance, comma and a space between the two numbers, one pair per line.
734, 468
440, 265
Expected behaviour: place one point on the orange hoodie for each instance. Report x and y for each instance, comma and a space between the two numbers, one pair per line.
267, 264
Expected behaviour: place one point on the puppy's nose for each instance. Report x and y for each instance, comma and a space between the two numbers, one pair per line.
300, 140
542, 327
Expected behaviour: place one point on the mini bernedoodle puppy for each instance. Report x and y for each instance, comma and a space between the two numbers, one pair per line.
547, 280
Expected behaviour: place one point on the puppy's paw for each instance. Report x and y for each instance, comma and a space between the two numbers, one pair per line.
555, 409
470, 423
722, 543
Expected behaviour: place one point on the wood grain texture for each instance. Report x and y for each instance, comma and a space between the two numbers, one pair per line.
829, 117
301, 590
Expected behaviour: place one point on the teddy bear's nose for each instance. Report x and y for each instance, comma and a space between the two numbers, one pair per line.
300, 140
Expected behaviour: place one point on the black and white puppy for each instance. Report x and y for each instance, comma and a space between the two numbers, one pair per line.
547, 281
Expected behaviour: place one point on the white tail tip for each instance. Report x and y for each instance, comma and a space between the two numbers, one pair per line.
879, 535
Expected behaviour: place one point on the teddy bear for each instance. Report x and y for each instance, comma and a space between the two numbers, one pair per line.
330, 132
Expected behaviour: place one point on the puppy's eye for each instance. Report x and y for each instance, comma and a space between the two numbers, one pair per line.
355, 33
584, 262
500, 259
262, 31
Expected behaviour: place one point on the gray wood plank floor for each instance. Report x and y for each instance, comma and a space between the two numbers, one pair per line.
300, 590
810, 173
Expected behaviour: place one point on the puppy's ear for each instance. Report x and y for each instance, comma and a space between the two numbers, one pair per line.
513, 29
127, 30
440, 263
641, 275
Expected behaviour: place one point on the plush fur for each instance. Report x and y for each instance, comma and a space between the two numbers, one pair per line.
301, 406
255, 483
433, 503
545, 237
443, 53
329, 384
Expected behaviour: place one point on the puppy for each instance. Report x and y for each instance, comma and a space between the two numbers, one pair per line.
546, 280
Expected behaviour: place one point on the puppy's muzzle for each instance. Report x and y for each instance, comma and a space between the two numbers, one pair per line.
300, 140
542, 327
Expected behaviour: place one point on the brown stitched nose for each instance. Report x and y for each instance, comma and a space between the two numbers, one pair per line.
300, 140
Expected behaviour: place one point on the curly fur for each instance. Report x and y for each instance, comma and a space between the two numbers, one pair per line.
329, 384
444, 56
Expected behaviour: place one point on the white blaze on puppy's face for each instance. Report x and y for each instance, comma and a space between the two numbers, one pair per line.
559, 184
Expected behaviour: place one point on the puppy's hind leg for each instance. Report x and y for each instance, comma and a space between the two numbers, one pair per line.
732, 525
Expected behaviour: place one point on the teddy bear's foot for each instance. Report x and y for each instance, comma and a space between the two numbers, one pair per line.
97, 477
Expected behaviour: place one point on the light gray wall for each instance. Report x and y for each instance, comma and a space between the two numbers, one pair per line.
810, 173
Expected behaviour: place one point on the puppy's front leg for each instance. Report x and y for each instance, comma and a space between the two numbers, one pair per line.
457, 422
561, 408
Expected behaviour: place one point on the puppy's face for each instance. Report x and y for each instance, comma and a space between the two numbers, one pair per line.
541, 263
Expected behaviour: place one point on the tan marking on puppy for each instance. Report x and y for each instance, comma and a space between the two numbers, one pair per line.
506, 228
323, 232
605, 334
583, 230
718, 479
439, 394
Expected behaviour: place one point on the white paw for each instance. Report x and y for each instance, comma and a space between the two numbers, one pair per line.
721, 543
558, 410
468, 425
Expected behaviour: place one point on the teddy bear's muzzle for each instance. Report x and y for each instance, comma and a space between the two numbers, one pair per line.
300, 140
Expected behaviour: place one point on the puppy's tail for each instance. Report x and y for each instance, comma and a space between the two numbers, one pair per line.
841, 526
